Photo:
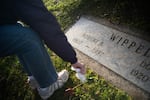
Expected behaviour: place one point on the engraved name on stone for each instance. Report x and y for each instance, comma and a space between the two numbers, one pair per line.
124, 54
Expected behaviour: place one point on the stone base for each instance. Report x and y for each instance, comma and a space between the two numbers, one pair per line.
135, 92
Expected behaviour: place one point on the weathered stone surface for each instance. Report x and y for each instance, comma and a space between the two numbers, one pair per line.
122, 53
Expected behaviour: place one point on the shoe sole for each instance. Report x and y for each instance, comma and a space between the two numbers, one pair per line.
65, 75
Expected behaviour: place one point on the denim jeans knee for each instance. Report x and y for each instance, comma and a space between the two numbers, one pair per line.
27, 45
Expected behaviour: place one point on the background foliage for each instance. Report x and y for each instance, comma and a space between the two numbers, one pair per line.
133, 13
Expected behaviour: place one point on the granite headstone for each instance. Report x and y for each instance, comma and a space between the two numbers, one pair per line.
122, 53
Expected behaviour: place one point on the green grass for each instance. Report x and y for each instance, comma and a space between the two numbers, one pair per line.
13, 80
133, 14
96, 88
13, 84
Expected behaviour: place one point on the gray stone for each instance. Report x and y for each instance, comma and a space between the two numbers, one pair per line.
122, 53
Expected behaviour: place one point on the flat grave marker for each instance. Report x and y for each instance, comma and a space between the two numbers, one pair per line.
122, 53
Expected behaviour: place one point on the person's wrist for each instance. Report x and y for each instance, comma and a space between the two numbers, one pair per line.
74, 63
75, 60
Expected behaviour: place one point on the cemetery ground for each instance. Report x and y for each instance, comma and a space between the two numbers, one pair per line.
13, 80
14, 87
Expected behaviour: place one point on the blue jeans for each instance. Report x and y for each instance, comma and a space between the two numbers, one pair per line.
27, 45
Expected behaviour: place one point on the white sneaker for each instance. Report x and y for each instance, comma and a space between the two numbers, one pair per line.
45, 93
32, 82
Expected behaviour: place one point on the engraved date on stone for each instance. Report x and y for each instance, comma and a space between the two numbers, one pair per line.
139, 75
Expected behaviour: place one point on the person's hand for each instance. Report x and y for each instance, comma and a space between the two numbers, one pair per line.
80, 66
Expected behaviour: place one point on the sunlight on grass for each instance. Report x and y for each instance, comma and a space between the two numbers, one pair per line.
96, 88
13, 84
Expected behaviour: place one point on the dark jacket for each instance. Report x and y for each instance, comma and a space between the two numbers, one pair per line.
34, 14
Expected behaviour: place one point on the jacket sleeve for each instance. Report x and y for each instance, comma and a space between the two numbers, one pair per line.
35, 14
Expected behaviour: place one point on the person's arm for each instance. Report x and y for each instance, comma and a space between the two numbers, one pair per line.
34, 14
